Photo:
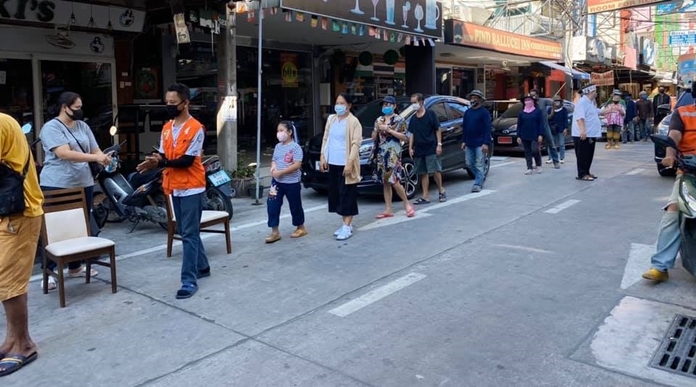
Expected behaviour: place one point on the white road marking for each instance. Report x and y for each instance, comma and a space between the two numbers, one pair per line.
562, 206
499, 158
524, 248
500, 165
376, 294
205, 236
638, 262
635, 172
399, 217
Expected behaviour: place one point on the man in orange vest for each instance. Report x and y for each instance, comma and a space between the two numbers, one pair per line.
181, 147
682, 129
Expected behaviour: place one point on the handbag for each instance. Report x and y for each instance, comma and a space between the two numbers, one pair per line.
12, 189
94, 167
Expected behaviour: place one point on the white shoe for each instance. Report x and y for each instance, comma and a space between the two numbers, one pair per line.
562, 161
51, 283
549, 161
341, 228
538, 170
529, 172
345, 233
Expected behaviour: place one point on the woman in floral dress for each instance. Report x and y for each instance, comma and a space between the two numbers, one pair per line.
390, 130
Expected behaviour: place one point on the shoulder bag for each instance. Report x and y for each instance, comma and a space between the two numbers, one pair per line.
94, 167
12, 189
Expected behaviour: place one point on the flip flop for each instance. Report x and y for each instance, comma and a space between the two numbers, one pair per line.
411, 212
186, 291
384, 215
421, 201
585, 178
13, 363
594, 176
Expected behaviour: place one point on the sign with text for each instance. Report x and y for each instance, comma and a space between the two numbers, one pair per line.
288, 69
602, 79
473, 35
597, 6
416, 17
682, 38
63, 13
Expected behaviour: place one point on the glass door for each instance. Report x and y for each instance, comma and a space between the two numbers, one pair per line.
16, 96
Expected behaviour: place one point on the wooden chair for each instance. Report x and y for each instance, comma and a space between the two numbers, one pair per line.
208, 219
65, 236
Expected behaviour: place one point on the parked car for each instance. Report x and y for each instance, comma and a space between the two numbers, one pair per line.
505, 128
449, 110
663, 128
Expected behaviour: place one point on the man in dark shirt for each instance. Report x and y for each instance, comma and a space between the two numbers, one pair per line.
548, 136
476, 137
662, 98
629, 129
645, 113
425, 147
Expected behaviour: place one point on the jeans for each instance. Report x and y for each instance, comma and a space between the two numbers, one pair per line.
188, 210
645, 128
668, 242
560, 145
474, 160
550, 143
293, 191
531, 151
629, 132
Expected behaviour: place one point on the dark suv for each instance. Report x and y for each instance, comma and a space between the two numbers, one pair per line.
449, 111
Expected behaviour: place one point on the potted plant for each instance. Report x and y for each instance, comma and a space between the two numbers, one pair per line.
243, 177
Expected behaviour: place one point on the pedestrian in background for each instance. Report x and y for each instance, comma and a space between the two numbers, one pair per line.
551, 145
558, 121
340, 156
614, 113
19, 235
586, 128
476, 137
390, 130
285, 170
645, 114
425, 147
629, 129
530, 133
662, 98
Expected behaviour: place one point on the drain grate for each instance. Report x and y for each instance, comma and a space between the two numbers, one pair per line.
677, 352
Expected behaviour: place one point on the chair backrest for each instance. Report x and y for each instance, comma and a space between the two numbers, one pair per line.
65, 215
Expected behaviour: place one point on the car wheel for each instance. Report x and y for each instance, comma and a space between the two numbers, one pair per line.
666, 172
409, 180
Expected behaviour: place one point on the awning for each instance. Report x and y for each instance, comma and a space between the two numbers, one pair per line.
576, 74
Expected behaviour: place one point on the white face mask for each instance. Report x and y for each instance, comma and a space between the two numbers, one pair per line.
282, 136
415, 106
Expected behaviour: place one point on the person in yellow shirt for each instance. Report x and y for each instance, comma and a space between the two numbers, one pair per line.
19, 235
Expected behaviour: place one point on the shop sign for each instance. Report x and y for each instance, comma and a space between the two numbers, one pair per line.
596, 6
473, 35
288, 69
57, 41
602, 79
415, 17
60, 12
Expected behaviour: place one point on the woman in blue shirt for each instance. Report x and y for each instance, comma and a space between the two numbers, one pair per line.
530, 132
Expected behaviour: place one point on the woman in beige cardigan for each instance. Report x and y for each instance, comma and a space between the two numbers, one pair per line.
340, 157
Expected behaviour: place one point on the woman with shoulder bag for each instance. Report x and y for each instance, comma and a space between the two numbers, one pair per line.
69, 148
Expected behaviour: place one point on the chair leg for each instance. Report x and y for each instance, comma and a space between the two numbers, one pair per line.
112, 261
61, 283
228, 239
88, 273
44, 279
170, 241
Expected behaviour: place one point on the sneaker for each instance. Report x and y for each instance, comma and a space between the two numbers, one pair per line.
562, 161
345, 233
656, 275
538, 169
557, 165
341, 228
549, 161
529, 172
476, 188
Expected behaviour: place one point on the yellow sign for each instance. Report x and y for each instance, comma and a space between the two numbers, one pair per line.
288, 71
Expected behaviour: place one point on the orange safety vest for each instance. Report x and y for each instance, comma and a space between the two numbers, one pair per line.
688, 117
181, 178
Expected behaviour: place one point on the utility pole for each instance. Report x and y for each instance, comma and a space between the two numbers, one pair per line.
227, 90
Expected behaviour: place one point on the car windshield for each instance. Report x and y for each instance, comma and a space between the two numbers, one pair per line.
369, 113
513, 111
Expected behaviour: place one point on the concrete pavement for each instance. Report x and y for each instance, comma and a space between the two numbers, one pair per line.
518, 286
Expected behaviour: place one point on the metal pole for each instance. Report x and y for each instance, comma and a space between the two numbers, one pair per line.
227, 88
258, 107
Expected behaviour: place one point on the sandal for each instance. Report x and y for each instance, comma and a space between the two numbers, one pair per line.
421, 201
13, 363
443, 196
384, 215
186, 291
585, 178
411, 212
594, 176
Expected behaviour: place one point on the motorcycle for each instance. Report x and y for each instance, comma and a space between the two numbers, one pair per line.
687, 201
218, 193
146, 203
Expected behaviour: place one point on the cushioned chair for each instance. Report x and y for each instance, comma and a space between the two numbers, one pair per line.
66, 238
208, 219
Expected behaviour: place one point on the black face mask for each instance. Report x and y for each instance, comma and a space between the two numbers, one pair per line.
173, 111
615, 102
661, 91
77, 114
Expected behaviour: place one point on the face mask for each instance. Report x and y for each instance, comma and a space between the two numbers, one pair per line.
173, 111
415, 106
615, 102
643, 97
77, 114
661, 91
387, 110
282, 136
528, 103
557, 103
340, 109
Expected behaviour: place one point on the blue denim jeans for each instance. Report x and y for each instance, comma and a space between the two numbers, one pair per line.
668, 242
293, 191
188, 210
645, 129
474, 160
560, 144
629, 132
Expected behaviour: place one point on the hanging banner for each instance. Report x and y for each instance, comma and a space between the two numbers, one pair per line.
422, 18
288, 69
602, 79
597, 6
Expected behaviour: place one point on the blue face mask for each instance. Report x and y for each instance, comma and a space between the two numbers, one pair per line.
387, 110
340, 109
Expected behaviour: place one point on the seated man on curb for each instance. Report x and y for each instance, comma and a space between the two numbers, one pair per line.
181, 147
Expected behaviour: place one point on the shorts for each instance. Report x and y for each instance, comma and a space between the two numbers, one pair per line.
427, 165
614, 129
19, 236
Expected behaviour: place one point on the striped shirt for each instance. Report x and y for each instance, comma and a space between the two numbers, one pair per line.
284, 156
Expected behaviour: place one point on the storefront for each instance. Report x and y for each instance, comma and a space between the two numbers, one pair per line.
36, 68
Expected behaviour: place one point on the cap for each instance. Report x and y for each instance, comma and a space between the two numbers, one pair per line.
557, 98
389, 99
527, 96
589, 89
477, 93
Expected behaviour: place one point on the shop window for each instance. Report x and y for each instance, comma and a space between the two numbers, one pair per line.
16, 98
439, 109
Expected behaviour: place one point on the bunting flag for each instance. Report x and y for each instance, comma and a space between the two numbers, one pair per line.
385, 35
353, 29
299, 16
273, 10
408, 39
324, 23
361, 30
400, 37
344, 28
288, 16
371, 31
335, 26
314, 22
251, 16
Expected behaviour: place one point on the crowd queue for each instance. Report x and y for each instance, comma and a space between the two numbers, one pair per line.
70, 147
